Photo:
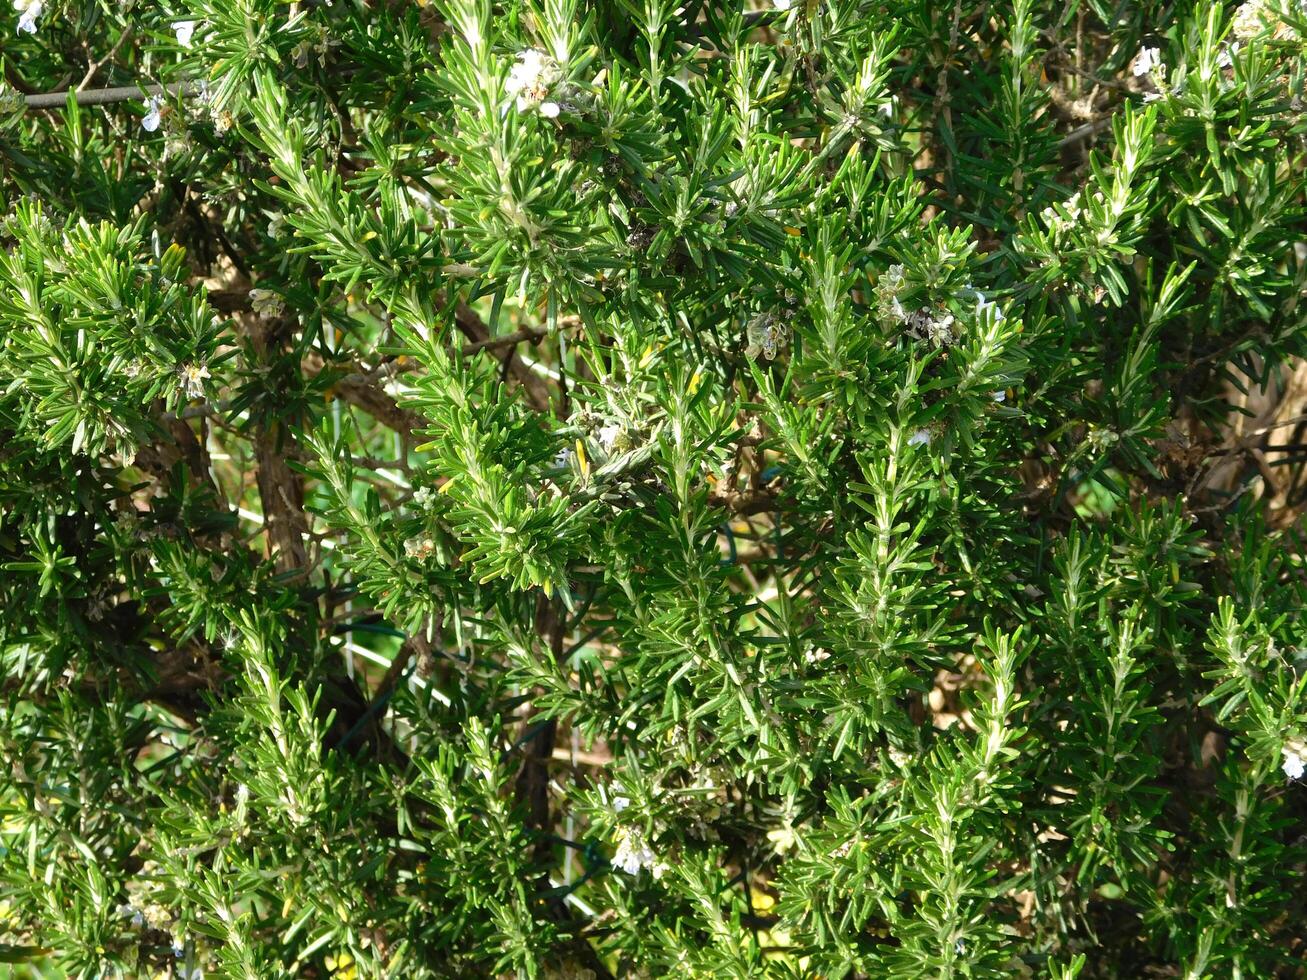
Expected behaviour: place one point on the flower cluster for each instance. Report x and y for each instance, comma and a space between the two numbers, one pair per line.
530, 80
935, 327
142, 907
889, 307
1148, 62
634, 853
316, 47
1256, 17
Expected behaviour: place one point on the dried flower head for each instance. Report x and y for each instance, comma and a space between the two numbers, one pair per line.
767, 335
265, 302
192, 377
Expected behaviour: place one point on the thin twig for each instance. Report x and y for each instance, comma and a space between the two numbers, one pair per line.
95, 66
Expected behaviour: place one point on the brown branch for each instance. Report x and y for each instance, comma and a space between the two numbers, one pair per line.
745, 502
533, 779
281, 489
475, 330
356, 389
507, 340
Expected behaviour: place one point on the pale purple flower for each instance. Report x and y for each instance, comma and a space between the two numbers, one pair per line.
30, 12
1295, 760
155, 116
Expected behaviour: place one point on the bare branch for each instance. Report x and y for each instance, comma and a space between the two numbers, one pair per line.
106, 96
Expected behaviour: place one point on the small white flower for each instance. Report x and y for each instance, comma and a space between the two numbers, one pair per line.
1102, 438
999, 396
30, 12
983, 304
816, 656
620, 800
1147, 61
423, 496
608, 436
781, 5
157, 916
155, 116
783, 838
920, 438
1295, 760
549, 110
184, 29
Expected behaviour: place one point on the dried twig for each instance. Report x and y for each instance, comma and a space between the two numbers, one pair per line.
95, 66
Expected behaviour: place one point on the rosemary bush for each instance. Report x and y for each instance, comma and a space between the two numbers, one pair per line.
637, 489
